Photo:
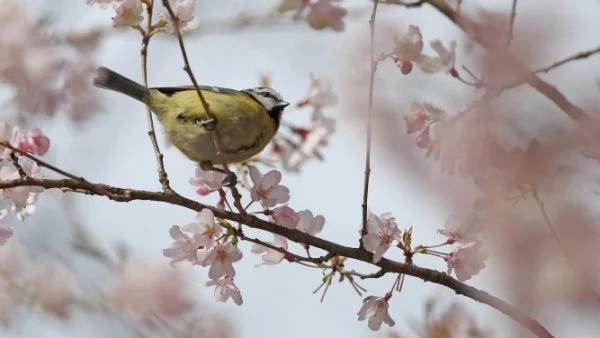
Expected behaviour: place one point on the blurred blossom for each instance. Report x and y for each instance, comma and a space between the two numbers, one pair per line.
221, 258
375, 309
271, 256
148, 289
207, 181
442, 63
267, 189
185, 11
381, 232
310, 224
20, 195
10, 134
460, 228
129, 13
33, 62
225, 288
286, 216
324, 14
417, 119
12, 261
320, 94
5, 231
53, 289
318, 135
10, 304
466, 261
35, 142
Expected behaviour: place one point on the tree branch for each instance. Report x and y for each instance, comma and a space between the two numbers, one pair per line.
373, 68
334, 249
475, 33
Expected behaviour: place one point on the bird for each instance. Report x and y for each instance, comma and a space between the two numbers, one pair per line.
245, 121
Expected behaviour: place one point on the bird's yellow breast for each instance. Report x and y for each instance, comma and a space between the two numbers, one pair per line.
243, 125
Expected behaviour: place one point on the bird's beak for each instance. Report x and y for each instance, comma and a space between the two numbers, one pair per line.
283, 104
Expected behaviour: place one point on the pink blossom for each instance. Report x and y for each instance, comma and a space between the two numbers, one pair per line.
129, 13
225, 288
53, 289
325, 14
381, 232
221, 258
185, 11
321, 129
460, 229
408, 48
376, 310
442, 63
310, 224
286, 217
466, 262
417, 119
149, 290
184, 247
320, 94
203, 233
270, 256
267, 189
10, 134
207, 181
35, 142
20, 196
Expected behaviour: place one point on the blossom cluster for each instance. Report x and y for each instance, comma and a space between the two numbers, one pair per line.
130, 13
205, 243
47, 72
15, 166
408, 50
293, 154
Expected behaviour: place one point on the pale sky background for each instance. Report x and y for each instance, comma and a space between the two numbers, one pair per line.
278, 302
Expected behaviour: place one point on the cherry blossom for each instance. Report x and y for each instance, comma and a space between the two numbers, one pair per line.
460, 228
320, 94
185, 248
442, 63
35, 142
286, 217
207, 181
225, 288
466, 261
10, 134
149, 289
129, 13
5, 231
381, 232
407, 48
203, 233
324, 13
375, 309
417, 119
185, 11
267, 189
271, 256
53, 289
20, 195
221, 258
310, 224
318, 135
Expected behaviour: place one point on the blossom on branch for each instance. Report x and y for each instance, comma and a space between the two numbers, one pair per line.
324, 14
184, 10
129, 13
408, 49
35, 142
221, 258
310, 224
375, 309
286, 216
207, 181
460, 228
271, 256
225, 288
466, 261
267, 189
382, 231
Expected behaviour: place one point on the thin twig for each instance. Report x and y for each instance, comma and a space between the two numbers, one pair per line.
15, 161
380, 273
373, 67
333, 249
511, 24
146, 35
188, 69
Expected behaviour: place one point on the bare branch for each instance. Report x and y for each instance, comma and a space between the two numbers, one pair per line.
511, 24
373, 65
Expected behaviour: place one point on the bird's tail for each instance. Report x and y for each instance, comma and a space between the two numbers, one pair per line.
108, 79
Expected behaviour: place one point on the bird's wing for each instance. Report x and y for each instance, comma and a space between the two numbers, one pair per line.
172, 90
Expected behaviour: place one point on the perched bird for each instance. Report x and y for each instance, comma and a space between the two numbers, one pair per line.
246, 120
